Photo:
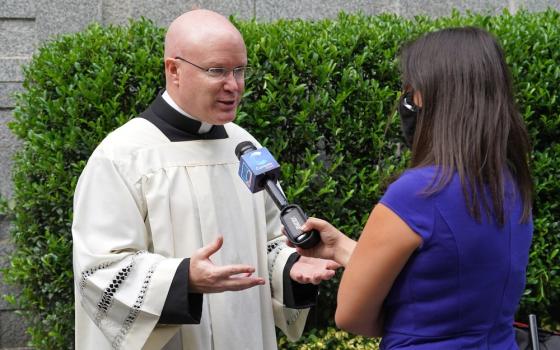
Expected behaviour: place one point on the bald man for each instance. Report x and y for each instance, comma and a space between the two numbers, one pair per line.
170, 249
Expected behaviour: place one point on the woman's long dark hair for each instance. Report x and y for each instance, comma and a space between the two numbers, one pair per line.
469, 122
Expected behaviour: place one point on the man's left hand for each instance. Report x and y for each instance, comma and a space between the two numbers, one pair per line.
312, 270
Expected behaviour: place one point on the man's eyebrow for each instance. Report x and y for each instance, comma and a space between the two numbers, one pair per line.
217, 64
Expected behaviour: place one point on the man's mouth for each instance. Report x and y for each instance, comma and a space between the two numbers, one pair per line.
229, 103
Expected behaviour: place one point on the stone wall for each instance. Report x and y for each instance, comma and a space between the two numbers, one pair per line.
25, 24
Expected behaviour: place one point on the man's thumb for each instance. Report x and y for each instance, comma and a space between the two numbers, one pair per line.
212, 247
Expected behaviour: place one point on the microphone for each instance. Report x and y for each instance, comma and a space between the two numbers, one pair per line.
259, 170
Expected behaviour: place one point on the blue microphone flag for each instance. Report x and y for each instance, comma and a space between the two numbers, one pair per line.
253, 167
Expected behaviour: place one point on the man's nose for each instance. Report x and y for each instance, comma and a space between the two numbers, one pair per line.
231, 83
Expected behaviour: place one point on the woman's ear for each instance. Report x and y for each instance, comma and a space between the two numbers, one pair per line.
417, 98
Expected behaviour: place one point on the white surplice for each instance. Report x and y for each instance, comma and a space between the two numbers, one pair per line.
142, 204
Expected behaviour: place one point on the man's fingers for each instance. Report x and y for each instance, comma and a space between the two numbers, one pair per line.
328, 275
298, 277
245, 274
241, 283
234, 280
319, 277
232, 270
333, 265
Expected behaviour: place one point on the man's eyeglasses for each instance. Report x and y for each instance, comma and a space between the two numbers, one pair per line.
239, 73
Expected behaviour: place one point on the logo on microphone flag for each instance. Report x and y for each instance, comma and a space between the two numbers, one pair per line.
246, 174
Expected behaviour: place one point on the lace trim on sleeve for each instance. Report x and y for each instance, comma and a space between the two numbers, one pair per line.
294, 315
106, 300
273, 249
135, 310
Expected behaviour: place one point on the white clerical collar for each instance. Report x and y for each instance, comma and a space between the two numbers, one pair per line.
204, 127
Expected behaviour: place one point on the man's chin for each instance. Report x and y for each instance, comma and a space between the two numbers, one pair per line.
224, 119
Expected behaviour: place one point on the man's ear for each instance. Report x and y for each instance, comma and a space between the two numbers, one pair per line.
171, 71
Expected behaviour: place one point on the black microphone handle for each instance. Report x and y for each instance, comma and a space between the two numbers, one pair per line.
277, 195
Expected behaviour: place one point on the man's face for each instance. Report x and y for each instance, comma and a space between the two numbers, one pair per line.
213, 100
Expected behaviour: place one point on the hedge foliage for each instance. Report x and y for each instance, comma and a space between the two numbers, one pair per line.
320, 100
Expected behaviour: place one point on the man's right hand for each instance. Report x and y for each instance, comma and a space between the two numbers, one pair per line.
205, 277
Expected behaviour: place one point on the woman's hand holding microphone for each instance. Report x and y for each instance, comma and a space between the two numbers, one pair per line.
334, 244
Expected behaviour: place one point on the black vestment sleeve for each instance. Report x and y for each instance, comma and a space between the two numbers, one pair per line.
181, 307
297, 295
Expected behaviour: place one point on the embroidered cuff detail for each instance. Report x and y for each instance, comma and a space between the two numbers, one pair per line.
135, 310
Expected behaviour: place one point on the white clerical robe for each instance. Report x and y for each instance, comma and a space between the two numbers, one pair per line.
142, 205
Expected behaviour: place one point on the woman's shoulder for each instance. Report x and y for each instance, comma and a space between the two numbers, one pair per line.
413, 180
411, 188
407, 198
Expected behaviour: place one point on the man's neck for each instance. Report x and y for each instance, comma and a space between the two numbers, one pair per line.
204, 127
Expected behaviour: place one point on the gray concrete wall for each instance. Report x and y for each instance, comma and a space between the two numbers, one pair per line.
25, 24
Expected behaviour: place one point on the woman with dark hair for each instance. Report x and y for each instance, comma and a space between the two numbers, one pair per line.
441, 261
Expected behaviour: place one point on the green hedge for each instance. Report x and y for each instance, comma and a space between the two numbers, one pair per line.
319, 99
